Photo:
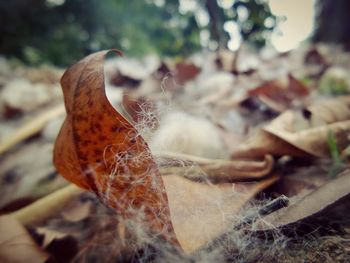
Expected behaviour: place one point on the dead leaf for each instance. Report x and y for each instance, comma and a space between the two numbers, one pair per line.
216, 170
302, 133
320, 200
280, 94
185, 71
62, 247
201, 211
48, 235
316, 61
16, 245
99, 150
290, 186
262, 143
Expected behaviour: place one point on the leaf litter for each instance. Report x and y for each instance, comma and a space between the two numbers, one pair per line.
201, 198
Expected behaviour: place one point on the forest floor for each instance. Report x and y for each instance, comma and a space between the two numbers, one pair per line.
237, 130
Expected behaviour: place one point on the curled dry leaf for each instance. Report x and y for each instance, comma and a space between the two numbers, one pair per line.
48, 235
320, 200
61, 247
217, 170
100, 151
302, 133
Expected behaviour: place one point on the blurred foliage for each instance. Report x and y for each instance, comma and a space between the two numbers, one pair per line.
255, 20
334, 86
62, 31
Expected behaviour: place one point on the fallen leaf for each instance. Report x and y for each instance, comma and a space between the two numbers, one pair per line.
61, 246
316, 61
48, 235
302, 133
201, 211
215, 170
16, 245
319, 120
280, 94
185, 71
263, 143
317, 202
290, 186
100, 151
313, 56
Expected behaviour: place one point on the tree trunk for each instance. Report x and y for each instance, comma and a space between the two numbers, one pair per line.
332, 23
217, 20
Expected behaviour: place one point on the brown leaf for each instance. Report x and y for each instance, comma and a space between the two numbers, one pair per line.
279, 94
263, 143
290, 186
302, 133
99, 150
185, 71
201, 211
62, 247
16, 245
48, 235
216, 170
322, 199
319, 120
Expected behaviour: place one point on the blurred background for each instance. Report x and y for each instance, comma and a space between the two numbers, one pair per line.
59, 32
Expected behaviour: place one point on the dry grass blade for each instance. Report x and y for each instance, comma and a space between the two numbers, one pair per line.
31, 127
46, 206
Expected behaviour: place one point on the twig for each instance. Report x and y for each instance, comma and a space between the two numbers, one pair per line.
273, 206
31, 128
46, 206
